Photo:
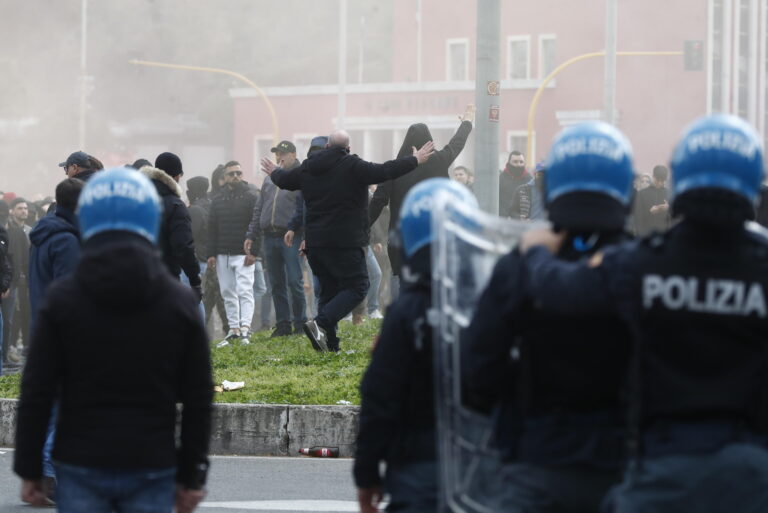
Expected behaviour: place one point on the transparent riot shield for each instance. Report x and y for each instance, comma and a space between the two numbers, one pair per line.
467, 246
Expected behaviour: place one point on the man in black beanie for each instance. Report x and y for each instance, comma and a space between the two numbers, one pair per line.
175, 240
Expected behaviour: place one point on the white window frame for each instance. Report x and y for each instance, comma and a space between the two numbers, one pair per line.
542, 38
529, 163
258, 176
448, 66
299, 139
510, 40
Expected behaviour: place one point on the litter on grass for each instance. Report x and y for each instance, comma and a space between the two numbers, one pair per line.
343, 402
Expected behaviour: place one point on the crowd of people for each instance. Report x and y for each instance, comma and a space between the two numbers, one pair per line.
665, 283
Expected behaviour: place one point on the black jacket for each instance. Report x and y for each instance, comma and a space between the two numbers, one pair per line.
397, 418
199, 212
175, 238
18, 251
393, 192
118, 344
509, 182
645, 221
6, 268
231, 210
335, 189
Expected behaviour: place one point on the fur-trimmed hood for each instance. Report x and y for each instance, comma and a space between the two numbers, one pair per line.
158, 175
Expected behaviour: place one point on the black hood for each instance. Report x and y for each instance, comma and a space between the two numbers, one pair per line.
322, 161
120, 269
416, 136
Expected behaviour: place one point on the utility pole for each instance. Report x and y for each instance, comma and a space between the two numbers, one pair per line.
342, 110
487, 80
418, 40
83, 76
609, 85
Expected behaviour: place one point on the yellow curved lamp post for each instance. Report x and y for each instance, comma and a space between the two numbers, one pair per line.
555, 72
259, 91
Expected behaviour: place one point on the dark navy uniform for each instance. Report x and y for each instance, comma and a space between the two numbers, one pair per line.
695, 300
556, 381
397, 419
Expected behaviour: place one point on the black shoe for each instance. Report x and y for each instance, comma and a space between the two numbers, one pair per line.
282, 330
316, 335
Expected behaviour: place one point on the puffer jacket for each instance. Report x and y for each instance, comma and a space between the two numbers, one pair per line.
230, 215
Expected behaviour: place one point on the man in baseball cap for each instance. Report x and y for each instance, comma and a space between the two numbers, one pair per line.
77, 164
284, 147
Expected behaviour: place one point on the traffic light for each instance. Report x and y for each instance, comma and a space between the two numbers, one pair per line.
693, 55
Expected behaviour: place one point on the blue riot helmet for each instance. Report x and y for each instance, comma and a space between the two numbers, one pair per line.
589, 177
718, 152
416, 212
119, 199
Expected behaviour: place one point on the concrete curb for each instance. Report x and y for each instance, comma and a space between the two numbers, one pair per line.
255, 429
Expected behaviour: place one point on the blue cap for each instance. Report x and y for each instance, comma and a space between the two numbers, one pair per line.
590, 157
721, 152
320, 141
79, 158
119, 199
416, 212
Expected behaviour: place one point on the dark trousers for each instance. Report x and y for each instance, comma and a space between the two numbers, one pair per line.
284, 271
545, 489
212, 298
343, 278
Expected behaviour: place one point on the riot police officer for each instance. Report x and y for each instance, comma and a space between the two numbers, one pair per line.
561, 425
397, 419
694, 298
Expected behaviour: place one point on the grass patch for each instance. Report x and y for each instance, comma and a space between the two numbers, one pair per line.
284, 370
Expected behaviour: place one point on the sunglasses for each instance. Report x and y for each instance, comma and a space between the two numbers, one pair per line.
235, 173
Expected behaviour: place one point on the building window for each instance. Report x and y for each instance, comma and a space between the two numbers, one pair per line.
518, 140
547, 54
457, 60
519, 57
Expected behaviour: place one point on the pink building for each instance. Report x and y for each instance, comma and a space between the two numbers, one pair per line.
432, 77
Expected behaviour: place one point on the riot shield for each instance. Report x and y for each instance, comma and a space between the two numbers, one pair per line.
464, 252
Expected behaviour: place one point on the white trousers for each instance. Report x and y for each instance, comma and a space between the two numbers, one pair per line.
236, 284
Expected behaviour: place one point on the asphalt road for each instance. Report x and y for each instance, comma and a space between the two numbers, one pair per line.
245, 484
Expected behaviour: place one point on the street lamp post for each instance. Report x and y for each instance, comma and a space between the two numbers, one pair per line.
259, 91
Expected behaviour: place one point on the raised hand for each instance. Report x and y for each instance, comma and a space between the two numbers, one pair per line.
422, 154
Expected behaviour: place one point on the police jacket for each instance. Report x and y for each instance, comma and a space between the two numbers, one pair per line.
117, 392
397, 419
175, 239
559, 400
335, 189
231, 210
695, 300
54, 252
392, 192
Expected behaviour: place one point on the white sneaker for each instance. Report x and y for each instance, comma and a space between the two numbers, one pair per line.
245, 336
14, 355
375, 314
223, 343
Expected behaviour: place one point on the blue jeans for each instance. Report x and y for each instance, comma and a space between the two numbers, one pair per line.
732, 478
412, 487
48, 466
284, 271
374, 275
545, 489
95, 490
262, 292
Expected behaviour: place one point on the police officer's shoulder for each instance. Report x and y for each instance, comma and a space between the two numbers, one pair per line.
759, 236
756, 232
